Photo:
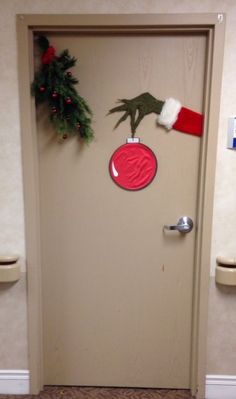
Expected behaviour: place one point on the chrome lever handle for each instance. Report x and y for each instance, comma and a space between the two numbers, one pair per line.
184, 225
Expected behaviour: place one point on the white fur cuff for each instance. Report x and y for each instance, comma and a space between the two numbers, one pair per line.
169, 113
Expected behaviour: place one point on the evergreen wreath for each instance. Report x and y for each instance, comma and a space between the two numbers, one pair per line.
54, 85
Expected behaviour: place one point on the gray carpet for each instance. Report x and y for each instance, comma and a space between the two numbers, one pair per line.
104, 393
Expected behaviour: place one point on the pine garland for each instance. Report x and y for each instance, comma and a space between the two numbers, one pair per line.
54, 85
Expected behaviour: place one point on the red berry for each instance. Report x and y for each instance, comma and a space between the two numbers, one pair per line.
54, 110
54, 94
42, 89
69, 74
68, 100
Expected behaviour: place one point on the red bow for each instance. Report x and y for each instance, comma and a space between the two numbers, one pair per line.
48, 55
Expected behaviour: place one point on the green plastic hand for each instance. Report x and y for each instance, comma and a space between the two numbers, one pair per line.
137, 108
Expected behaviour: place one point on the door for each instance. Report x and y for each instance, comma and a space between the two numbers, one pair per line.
117, 288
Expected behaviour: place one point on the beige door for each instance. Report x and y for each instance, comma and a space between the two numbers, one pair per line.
117, 289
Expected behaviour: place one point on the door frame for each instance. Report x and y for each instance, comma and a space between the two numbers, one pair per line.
213, 25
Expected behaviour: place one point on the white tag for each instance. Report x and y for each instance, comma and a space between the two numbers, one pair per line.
132, 140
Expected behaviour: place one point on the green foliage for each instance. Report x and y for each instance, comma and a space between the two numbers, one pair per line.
54, 85
43, 43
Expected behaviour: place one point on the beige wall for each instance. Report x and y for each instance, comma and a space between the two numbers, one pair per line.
13, 352
221, 331
13, 327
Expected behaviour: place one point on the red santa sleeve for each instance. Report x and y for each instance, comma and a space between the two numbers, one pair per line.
174, 116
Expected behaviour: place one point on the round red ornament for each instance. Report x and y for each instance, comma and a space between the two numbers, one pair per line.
133, 165
54, 94
42, 89
68, 100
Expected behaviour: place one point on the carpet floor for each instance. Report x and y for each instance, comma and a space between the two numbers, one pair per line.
104, 393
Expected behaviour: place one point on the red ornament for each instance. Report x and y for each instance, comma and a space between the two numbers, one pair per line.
133, 166
54, 94
42, 89
68, 100
48, 55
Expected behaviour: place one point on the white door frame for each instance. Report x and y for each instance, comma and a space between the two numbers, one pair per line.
213, 25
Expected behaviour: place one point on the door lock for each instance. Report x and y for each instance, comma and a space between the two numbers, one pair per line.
184, 225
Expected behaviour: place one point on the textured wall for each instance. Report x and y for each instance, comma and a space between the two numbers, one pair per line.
221, 331
13, 325
11, 199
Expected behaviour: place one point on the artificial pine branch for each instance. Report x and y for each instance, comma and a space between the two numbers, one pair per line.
43, 43
54, 85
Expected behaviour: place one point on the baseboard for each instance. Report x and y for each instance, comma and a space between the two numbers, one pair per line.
220, 386
15, 382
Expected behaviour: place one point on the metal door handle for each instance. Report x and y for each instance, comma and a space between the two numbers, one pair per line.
184, 225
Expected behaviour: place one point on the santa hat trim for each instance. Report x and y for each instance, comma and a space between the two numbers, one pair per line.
169, 113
